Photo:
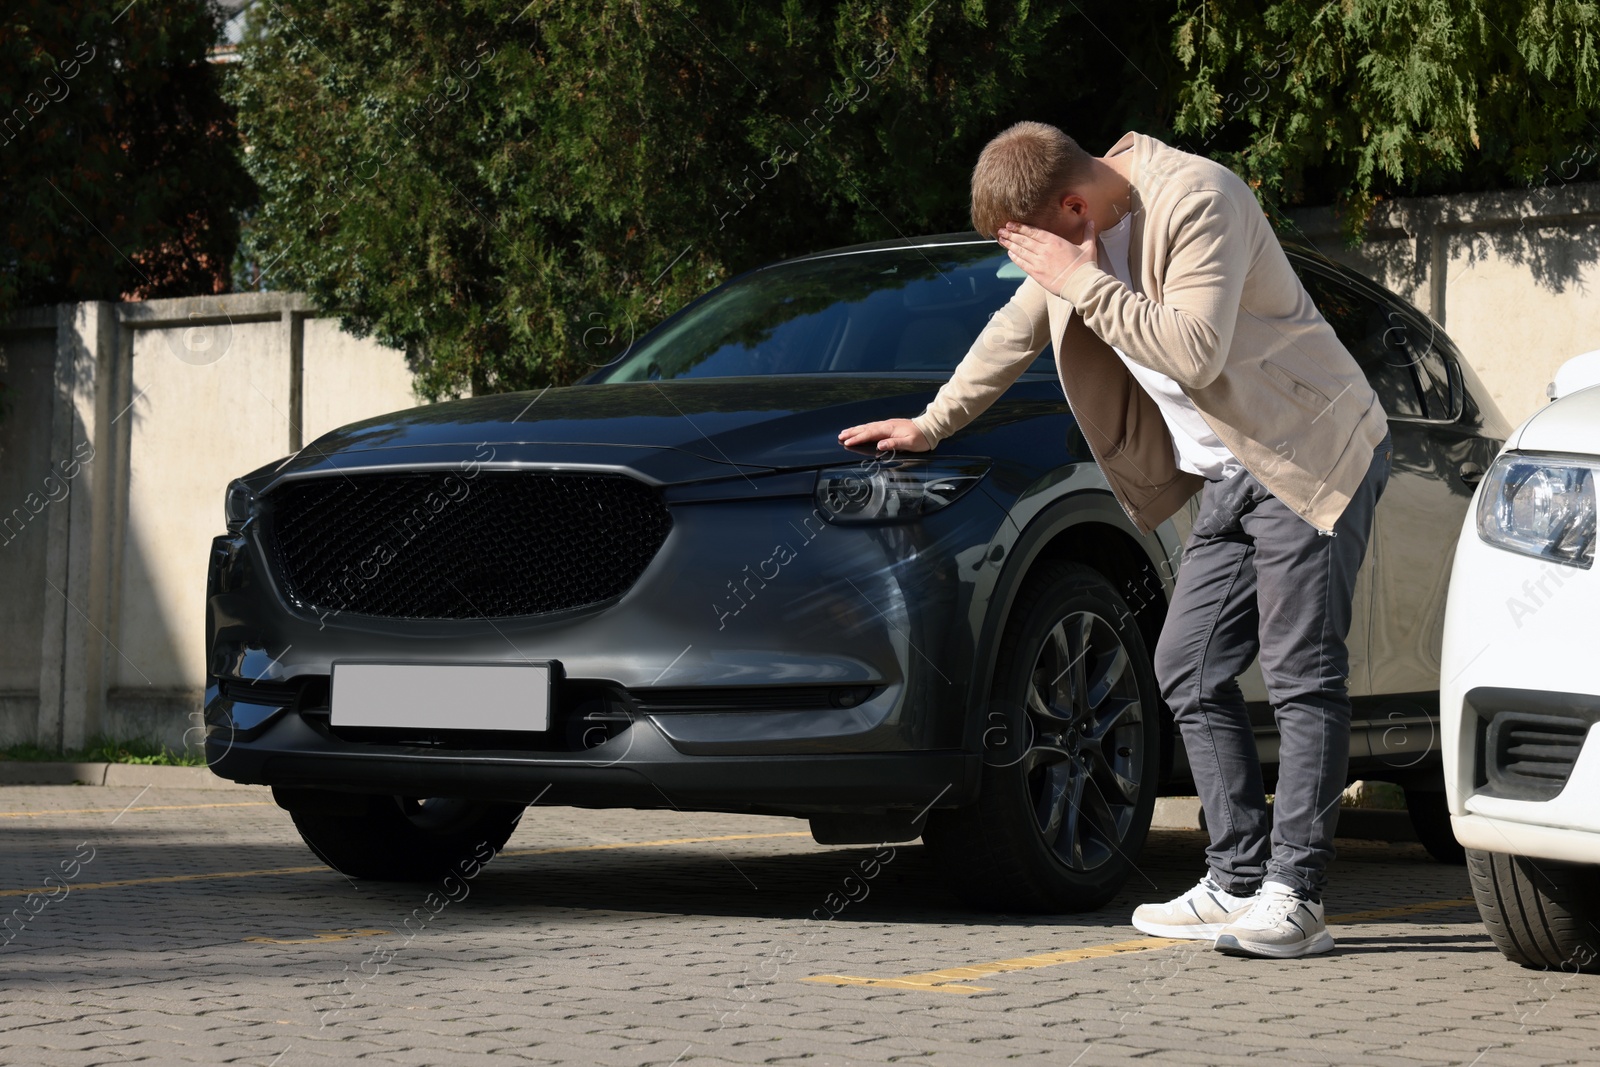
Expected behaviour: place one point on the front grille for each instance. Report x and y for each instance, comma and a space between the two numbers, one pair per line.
1531, 756
583, 715
751, 698
447, 545
280, 694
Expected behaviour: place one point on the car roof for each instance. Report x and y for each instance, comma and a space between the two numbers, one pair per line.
1296, 250
934, 240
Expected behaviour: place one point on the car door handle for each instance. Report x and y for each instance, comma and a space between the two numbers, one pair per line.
1470, 473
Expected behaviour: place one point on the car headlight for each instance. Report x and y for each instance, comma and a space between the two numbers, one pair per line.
1540, 506
894, 490
238, 506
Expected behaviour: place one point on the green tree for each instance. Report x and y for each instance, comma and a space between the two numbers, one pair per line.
513, 193
1357, 100
119, 168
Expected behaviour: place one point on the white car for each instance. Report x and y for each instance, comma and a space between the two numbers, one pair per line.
1520, 684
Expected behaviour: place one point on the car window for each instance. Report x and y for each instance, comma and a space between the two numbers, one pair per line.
1430, 363
890, 311
1401, 352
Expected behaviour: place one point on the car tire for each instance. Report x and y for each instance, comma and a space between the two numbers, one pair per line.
1539, 913
402, 839
1430, 820
1070, 762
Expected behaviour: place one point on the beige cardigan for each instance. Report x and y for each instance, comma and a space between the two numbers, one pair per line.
1223, 314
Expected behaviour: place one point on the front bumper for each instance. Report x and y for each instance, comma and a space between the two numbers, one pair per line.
637, 768
1526, 839
1519, 643
651, 706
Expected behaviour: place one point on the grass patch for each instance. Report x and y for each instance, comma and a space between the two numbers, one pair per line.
1375, 796
108, 750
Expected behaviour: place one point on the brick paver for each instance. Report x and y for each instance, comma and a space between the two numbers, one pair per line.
697, 952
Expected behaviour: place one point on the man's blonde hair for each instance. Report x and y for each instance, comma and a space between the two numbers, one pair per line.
1022, 171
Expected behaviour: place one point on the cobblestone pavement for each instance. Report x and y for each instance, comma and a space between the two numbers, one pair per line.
197, 928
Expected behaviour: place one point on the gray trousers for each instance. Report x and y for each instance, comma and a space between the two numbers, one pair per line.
1257, 578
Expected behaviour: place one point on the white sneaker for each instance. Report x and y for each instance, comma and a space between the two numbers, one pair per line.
1200, 914
1282, 925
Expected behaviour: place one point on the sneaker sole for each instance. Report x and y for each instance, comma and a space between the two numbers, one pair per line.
1231, 945
1196, 932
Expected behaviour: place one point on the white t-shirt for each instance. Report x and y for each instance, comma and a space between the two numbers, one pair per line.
1196, 447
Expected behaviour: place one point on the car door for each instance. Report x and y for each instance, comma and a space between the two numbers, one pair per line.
1439, 456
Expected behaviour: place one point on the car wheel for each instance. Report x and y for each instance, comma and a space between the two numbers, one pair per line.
1071, 753
1539, 913
404, 839
1430, 818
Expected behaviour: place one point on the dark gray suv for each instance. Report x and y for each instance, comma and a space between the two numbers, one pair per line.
669, 586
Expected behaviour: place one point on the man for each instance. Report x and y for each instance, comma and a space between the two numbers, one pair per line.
1193, 359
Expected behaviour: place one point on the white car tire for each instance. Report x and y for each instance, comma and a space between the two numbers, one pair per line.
1539, 913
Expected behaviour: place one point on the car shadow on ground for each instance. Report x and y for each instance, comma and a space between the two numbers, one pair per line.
804, 880
771, 877
1478, 942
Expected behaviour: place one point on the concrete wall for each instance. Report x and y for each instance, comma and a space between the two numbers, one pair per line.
126, 423
1511, 277
25, 462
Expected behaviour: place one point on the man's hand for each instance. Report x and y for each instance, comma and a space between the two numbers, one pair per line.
1048, 258
891, 435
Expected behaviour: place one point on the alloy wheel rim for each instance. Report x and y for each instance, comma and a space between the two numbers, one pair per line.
1084, 763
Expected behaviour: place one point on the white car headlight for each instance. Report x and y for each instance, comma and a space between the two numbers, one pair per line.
1541, 506
894, 490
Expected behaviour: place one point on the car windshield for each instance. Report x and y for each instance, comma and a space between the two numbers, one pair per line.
904, 310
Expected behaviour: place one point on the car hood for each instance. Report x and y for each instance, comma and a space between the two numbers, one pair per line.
768, 422
1571, 424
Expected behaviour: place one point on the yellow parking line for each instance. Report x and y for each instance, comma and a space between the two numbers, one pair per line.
1402, 909
163, 879
941, 981
949, 979
210, 875
153, 807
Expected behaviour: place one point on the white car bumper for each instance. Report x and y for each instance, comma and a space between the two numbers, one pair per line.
1520, 703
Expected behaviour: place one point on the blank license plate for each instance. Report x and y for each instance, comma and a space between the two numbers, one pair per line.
436, 696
